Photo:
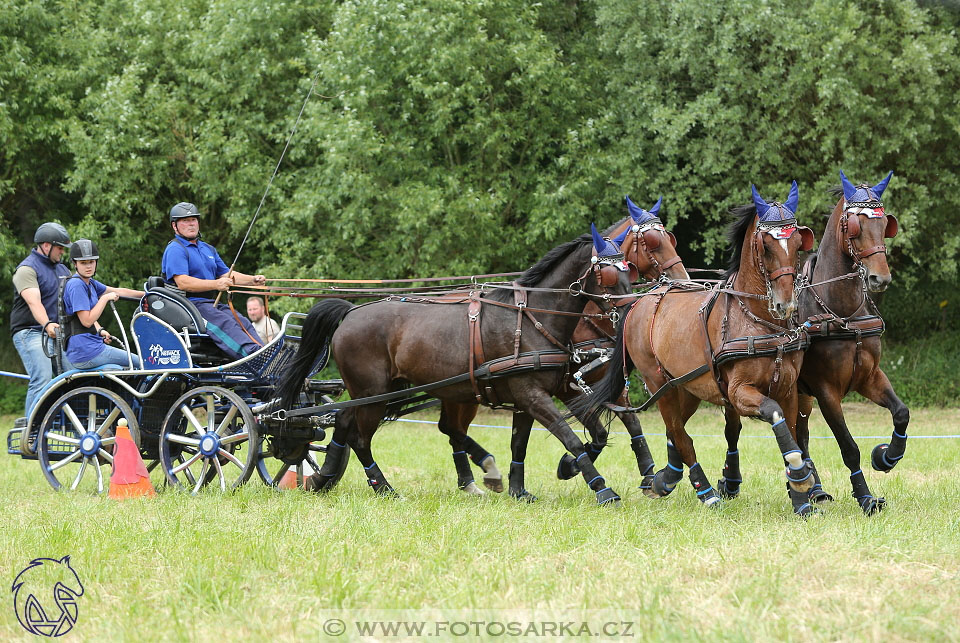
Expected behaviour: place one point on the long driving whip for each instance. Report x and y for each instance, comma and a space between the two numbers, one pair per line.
316, 77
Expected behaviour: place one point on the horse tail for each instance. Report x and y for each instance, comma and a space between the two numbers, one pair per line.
318, 328
610, 386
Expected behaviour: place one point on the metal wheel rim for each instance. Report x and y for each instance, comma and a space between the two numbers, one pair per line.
105, 428
186, 466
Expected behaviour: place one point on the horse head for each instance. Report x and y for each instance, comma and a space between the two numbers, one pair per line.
650, 249
608, 265
776, 243
861, 225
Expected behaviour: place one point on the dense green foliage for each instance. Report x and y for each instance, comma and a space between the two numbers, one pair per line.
447, 137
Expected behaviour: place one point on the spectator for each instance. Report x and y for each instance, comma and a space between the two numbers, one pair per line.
266, 327
34, 314
84, 300
196, 268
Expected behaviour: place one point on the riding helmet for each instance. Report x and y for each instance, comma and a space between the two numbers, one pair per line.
84, 250
183, 211
52, 233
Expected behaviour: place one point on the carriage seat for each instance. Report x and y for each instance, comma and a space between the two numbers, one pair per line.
173, 307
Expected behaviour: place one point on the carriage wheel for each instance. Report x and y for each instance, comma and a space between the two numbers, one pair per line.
313, 464
206, 438
77, 435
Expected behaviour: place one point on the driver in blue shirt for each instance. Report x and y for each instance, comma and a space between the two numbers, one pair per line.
195, 267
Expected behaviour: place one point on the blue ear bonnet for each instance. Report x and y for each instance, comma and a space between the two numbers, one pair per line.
604, 247
863, 194
641, 216
774, 213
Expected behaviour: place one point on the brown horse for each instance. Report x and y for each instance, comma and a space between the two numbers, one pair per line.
844, 354
650, 249
387, 346
663, 330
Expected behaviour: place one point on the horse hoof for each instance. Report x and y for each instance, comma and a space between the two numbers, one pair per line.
607, 497
567, 468
494, 484
727, 490
818, 496
872, 506
806, 510
878, 459
318, 483
523, 496
713, 501
471, 489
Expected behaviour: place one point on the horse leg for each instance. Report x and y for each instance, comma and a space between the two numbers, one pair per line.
540, 405
326, 478
638, 442
748, 401
367, 420
676, 408
885, 457
732, 478
492, 478
522, 423
568, 467
833, 414
452, 425
805, 408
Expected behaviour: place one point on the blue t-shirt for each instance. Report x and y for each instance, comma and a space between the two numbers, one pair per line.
199, 260
78, 295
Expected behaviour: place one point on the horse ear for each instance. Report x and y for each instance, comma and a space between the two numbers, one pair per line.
599, 243
758, 201
882, 185
806, 238
848, 187
893, 227
623, 235
656, 207
793, 199
636, 213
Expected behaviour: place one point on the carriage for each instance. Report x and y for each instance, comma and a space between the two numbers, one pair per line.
189, 409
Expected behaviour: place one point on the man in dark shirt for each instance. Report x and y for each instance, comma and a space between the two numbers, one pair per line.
33, 319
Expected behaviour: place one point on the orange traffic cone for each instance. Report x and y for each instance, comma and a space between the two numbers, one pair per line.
288, 481
130, 478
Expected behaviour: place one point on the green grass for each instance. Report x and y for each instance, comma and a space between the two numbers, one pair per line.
263, 565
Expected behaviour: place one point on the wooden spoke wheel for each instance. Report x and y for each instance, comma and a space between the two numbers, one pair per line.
77, 436
209, 437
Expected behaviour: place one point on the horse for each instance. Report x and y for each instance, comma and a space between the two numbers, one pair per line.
844, 355
388, 345
755, 373
650, 251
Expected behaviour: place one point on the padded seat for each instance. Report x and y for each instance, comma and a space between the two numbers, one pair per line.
172, 306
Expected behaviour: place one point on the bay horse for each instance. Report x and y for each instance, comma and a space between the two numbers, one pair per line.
679, 339
389, 345
844, 355
650, 250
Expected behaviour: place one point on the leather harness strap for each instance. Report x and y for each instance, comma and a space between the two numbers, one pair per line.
476, 341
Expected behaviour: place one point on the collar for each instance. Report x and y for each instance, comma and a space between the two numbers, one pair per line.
44, 257
185, 241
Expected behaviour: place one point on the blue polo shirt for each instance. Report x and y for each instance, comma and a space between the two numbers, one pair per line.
194, 259
78, 295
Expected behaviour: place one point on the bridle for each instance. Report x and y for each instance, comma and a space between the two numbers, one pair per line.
850, 229
606, 270
779, 230
647, 237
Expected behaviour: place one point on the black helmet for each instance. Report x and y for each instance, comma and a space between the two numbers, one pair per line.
84, 250
183, 211
52, 233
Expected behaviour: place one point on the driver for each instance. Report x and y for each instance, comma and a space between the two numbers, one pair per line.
196, 268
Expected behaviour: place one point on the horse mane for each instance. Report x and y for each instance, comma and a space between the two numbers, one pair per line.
742, 220
538, 271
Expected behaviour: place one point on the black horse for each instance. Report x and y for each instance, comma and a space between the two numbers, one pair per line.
389, 345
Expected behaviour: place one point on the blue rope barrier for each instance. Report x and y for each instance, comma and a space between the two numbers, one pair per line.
913, 436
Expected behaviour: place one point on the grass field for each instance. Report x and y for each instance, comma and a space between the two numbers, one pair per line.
258, 564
